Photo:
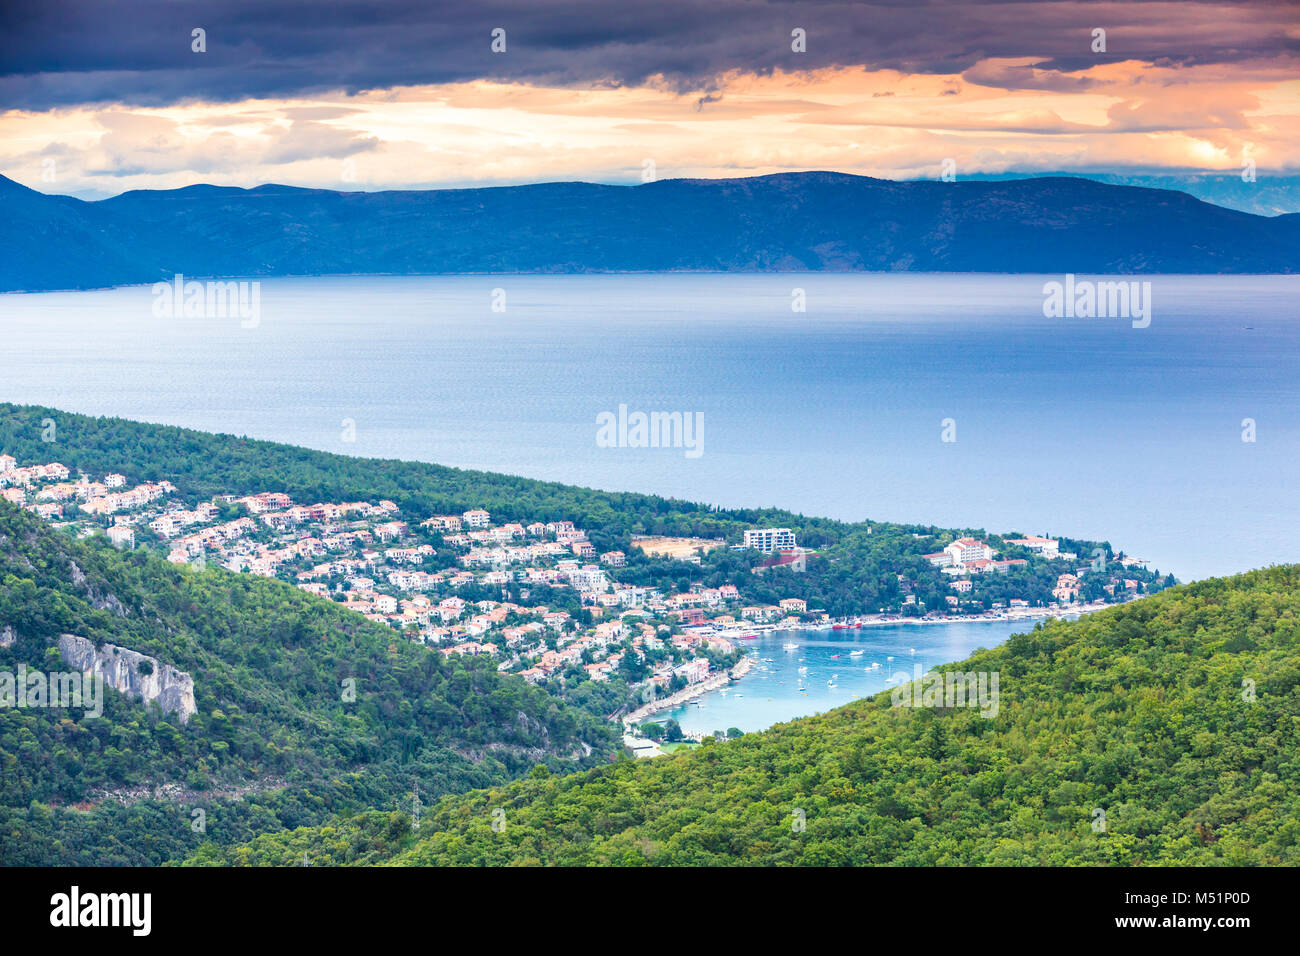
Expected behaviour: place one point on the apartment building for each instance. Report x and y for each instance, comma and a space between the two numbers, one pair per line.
768, 540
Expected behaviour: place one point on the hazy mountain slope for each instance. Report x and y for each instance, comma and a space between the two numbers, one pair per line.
795, 221
56, 242
1164, 731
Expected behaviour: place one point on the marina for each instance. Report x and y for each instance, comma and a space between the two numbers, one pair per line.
826, 668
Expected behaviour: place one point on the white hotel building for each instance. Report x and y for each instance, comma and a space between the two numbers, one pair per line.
768, 540
961, 553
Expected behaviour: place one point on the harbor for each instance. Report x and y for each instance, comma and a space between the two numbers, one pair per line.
798, 672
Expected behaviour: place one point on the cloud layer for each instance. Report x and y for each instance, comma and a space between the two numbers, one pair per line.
103, 97
139, 52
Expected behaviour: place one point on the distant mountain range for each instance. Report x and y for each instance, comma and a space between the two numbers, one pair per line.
814, 221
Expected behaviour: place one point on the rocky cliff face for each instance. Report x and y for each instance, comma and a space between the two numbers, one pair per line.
120, 668
7, 637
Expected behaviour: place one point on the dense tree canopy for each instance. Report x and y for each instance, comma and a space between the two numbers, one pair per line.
1166, 731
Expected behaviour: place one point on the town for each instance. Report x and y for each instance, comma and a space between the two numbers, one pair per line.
536, 597
429, 578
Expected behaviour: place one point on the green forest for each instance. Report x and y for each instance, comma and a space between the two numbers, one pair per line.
1165, 731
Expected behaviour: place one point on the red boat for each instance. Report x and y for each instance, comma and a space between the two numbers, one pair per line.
746, 637
839, 627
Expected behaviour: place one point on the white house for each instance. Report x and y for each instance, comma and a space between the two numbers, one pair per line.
1047, 547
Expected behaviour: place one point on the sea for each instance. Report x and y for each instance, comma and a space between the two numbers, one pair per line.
951, 400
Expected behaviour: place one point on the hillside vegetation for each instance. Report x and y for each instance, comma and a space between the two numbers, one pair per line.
1166, 731
274, 746
276, 740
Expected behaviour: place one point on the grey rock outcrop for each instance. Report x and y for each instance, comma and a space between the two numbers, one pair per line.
7, 637
120, 669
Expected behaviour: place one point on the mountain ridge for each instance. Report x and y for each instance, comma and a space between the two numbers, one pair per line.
782, 222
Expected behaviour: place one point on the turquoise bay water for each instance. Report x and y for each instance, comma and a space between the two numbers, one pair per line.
778, 690
1081, 427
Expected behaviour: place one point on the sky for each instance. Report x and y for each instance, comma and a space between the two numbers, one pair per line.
102, 96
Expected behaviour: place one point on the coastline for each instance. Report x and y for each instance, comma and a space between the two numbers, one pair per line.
715, 682
879, 620
747, 663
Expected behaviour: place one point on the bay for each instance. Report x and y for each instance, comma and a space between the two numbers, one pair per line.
822, 672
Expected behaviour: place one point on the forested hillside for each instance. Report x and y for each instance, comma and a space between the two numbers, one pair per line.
276, 743
303, 709
856, 568
1166, 731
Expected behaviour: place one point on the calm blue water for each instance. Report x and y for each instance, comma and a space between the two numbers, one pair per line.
776, 690
1082, 427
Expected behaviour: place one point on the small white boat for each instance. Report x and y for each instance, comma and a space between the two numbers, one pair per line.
790, 647
856, 653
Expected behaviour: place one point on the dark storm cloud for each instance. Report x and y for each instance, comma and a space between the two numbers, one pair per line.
63, 52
